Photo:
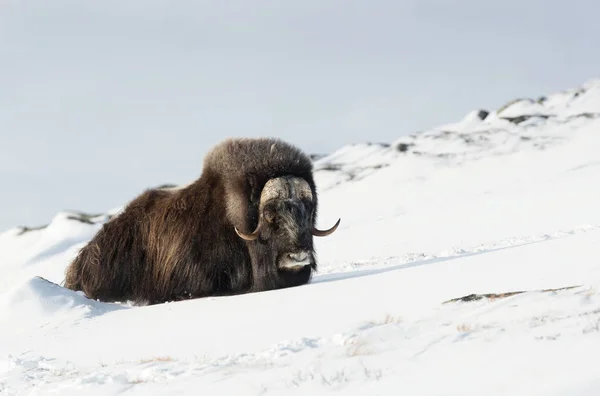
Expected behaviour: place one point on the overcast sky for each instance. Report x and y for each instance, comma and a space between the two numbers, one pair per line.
101, 99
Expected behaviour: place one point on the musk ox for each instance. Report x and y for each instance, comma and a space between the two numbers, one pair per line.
245, 225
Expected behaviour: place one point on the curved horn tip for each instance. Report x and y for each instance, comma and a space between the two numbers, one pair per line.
247, 237
322, 233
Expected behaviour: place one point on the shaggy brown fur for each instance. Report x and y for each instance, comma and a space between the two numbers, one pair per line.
172, 244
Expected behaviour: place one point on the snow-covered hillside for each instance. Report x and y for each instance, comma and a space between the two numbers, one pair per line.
466, 263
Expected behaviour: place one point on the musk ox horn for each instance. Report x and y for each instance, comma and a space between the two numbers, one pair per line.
272, 189
322, 233
247, 237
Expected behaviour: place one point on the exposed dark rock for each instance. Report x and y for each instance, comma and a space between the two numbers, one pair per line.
493, 296
82, 217
442, 135
482, 114
512, 102
384, 145
403, 147
466, 138
519, 119
168, 185
379, 166
445, 155
330, 167
585, 115
25, 229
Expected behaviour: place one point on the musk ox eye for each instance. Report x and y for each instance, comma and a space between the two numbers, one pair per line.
269, 215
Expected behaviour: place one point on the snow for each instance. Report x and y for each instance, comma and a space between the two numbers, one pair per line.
444, 218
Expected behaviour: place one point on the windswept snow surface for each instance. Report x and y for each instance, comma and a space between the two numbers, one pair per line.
503, 206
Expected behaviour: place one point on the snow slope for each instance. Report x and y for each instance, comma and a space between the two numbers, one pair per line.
501, 208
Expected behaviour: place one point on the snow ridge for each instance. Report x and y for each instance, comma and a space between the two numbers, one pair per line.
520, 125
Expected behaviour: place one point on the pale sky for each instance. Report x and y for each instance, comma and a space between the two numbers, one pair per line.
102, 99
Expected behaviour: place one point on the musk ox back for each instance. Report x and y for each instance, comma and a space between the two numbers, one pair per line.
245, 225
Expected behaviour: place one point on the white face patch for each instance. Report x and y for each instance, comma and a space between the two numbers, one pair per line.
300, 189
274, 189
292, 267
295, 261
286, 188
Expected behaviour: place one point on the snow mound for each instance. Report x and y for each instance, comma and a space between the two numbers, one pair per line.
38, 300
582, 100
64, 230
26, 252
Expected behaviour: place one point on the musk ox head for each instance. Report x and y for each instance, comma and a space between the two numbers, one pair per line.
286, 223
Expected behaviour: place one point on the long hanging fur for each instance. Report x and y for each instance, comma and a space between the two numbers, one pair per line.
174, 244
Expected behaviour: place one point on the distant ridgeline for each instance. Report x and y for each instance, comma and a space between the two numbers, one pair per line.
520, 124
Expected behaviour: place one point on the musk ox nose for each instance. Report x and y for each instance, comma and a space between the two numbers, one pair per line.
299, 257
294, 261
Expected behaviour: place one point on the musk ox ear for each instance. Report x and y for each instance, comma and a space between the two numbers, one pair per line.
322, 233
